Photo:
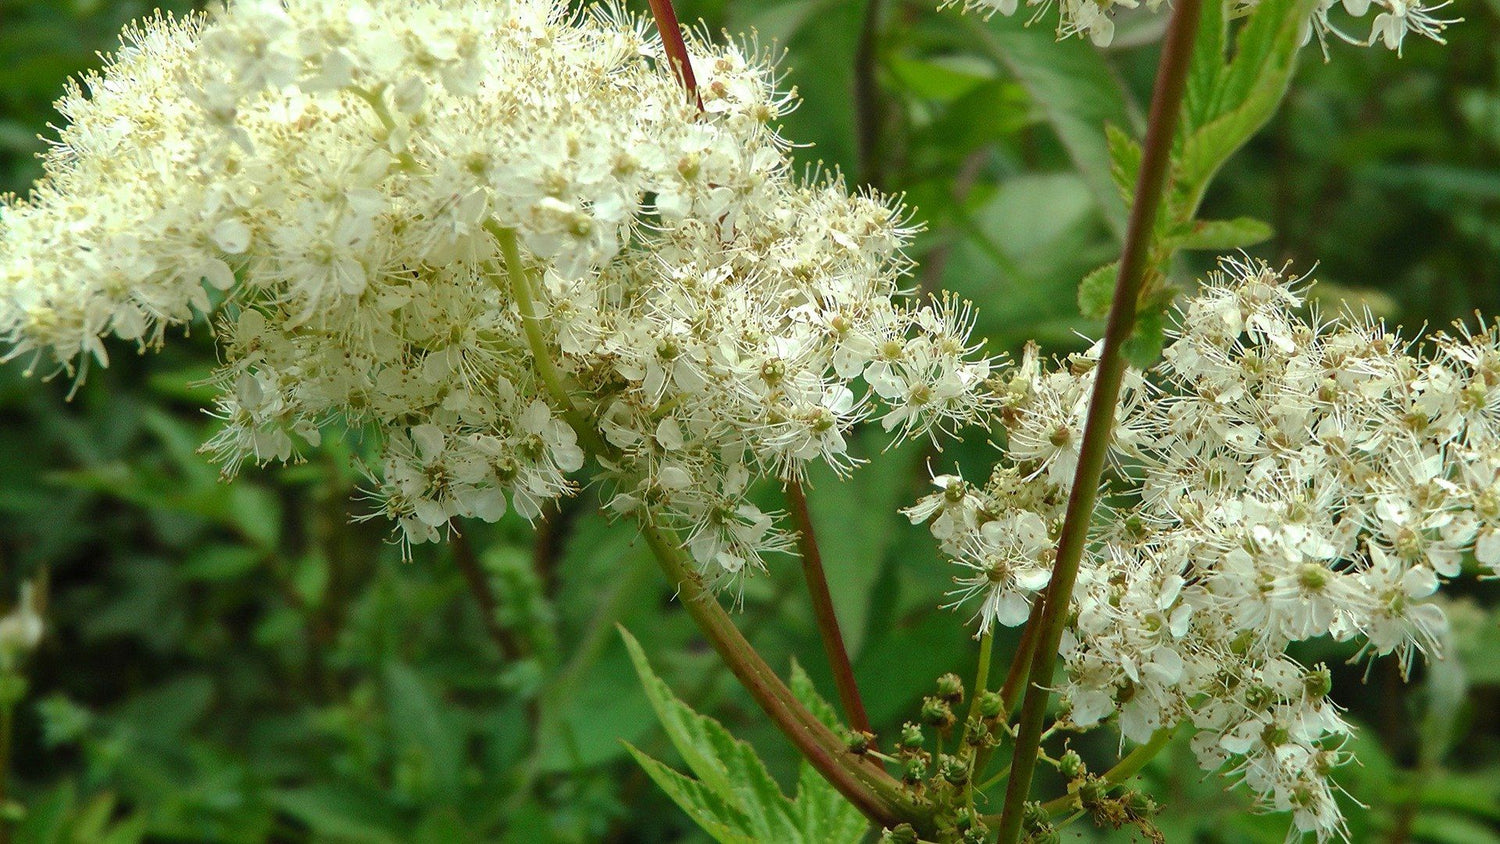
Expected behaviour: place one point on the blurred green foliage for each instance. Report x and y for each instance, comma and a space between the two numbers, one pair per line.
241, 663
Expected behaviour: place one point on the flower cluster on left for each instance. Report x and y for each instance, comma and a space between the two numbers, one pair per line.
498, 236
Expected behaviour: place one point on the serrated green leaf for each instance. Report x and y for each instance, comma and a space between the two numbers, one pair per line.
708, 810
1201, 96
726, 766
1097, 290
1124, 161
1227, 102
1222, 235
807, 694
1148, 338
822, 813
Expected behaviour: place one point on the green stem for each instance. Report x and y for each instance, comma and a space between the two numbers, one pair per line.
1122, 771
376, 101
536, 338
1020, 663
981, 681
1166, 103
1126, 768
869, 788
823, 612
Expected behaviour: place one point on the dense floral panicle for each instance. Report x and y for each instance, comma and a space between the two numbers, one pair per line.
1290, 477
1095, 18
391, 204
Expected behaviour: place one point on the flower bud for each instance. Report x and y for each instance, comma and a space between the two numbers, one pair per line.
950, 688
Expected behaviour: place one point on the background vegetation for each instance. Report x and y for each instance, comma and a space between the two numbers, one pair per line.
240, 663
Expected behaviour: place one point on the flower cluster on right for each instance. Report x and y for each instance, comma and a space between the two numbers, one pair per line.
1276, 477
1394, 19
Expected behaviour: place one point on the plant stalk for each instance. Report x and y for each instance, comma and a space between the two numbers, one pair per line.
1166, 104
981, 680
1126, 768
822, 604
867, 786
676, 49
870, 789
1020, 664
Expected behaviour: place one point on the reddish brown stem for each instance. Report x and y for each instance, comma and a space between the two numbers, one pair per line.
870, 789
822, 603
1166, 103
676, 48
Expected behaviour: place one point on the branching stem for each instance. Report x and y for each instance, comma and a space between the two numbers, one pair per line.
981, 680
1126, 768
1166, 102
864, 783
870, 789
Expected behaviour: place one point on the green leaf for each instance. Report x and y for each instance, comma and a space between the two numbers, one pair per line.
220, 562
822, 813
1147, 339
707, 809
426, 729
1445, 828
47, 817
1474, 794
1124, 161
1079, 94
1228, 101
1222, 235
990, 111
725, 766
807, 694
1097, 290
343, 811
944, 79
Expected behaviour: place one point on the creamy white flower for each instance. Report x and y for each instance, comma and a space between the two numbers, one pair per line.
370, 192
1277, 477
1094, 18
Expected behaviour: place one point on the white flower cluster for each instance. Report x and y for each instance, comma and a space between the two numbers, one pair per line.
1275, 478
1095, 18
495, 234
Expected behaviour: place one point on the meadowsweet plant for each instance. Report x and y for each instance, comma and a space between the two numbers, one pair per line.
1278, 476
522, 248
498, 235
